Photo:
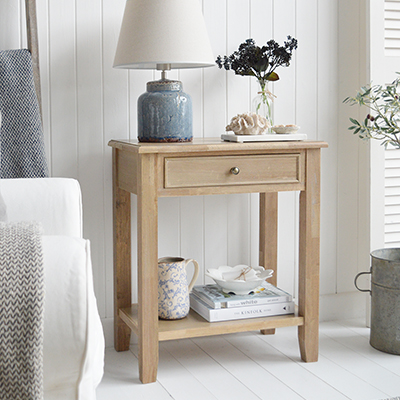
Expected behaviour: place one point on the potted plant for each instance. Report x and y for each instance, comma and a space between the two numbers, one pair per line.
261, 62
381, 123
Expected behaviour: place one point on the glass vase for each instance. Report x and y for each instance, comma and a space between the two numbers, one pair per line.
262, 104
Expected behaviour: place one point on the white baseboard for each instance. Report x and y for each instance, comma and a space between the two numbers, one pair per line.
342, 306
332, 307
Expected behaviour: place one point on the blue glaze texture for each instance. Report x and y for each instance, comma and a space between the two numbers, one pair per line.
165, 113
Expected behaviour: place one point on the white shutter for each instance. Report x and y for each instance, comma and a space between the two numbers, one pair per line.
392, 156
392, 198
392, 28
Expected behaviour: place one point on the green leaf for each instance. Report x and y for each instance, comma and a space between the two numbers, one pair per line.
354, 121
273, 76
262, 64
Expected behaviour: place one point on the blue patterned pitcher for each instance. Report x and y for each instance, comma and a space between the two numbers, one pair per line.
173, 288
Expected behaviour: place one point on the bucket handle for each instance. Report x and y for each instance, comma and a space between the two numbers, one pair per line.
355, 281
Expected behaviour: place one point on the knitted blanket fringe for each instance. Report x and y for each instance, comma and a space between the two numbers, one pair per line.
21, 311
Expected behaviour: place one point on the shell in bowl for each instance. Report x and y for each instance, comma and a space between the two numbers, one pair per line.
285, 128
241, 279
248, 124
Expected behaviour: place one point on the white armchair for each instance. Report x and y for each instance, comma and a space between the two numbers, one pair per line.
73, 335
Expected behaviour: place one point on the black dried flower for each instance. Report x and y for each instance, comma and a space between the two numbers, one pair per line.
261, 62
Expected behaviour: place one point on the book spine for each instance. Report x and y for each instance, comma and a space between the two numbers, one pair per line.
210, 303
227, 314
257, 301
243, 302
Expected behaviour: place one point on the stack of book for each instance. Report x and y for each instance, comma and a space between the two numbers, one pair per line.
213, 304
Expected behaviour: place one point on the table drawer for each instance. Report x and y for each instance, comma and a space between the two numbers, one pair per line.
181, 172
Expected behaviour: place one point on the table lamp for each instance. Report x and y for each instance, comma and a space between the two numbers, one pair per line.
162, 35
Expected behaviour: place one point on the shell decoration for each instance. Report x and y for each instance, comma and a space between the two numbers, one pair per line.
248, 124
285, 128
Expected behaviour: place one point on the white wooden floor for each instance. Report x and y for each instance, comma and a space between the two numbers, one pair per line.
252, 366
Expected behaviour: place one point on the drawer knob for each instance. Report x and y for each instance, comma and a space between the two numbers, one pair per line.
235, 170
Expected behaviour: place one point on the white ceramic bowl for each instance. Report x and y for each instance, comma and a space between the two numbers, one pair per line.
240, 279
285, 128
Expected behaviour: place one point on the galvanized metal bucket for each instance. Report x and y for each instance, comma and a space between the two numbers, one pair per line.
385, 299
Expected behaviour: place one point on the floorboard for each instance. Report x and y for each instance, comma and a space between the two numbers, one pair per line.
329, 370
285, 365
246, 370
208, 371
253, 366
180, 383
121, 380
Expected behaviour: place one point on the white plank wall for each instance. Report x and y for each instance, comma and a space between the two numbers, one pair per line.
87, 103
352, 166
327, 114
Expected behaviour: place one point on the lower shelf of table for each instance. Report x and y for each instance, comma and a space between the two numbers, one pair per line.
194, 325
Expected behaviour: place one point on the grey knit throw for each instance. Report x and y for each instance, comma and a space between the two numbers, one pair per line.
22, 150
21, 311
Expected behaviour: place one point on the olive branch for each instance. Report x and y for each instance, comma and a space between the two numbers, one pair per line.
383, 120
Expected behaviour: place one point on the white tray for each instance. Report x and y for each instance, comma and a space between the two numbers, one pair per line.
269, 137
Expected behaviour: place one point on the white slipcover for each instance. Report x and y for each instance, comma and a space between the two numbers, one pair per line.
55, 202
73, 335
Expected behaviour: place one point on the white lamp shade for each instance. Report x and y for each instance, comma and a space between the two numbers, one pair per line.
163, 32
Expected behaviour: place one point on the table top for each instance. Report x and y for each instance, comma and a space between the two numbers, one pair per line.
211, 144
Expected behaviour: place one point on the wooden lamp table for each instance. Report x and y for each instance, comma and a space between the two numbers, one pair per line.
205, 167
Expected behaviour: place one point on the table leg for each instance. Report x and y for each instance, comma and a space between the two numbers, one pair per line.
122, 258
268, 256
147, 214
309, 242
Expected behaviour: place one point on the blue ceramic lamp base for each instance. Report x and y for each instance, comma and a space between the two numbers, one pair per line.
165, 113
